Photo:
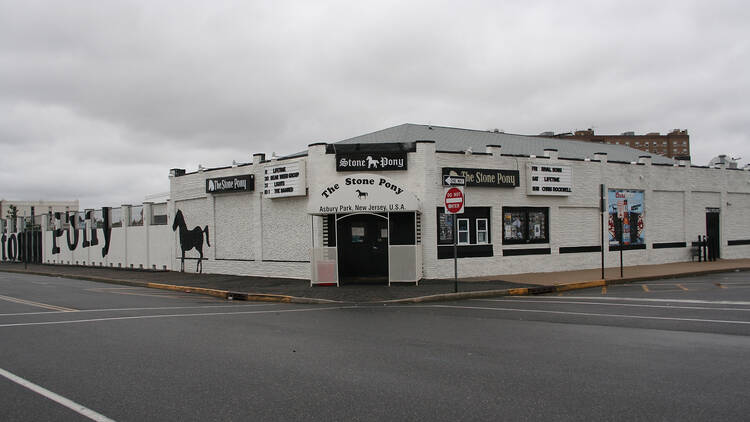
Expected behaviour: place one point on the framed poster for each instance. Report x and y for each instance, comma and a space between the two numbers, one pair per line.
626, 208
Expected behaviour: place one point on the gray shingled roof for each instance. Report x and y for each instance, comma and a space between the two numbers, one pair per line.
454, 139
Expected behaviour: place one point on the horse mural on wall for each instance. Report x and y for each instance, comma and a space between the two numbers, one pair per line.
190, 239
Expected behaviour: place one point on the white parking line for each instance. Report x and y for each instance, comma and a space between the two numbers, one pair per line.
78, 321
37, 304
638, 299
615, 304
228, 305
78, 408
541, 311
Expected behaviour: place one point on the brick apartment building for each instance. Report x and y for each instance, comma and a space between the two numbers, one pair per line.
675, 144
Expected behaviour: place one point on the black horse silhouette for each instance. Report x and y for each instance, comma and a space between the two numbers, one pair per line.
190, 239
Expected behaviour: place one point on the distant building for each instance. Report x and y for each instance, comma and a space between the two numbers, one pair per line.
675, 144
27, 208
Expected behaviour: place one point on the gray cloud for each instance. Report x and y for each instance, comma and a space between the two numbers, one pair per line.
113, 91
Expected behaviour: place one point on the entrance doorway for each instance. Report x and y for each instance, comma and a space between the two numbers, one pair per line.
713, 240
362, 243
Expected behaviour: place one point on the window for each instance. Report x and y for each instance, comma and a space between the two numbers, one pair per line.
136, 216
463, 231
525, 225
473, 227
98, 219
159, 214
80, 220
482, 237
116, 217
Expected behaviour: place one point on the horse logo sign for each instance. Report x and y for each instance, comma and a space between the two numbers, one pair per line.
190, 239
371, 161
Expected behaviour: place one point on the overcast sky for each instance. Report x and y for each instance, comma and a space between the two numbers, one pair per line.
99, 99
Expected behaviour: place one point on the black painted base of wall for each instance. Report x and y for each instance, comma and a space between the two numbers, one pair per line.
534, 251
666, 245
627, 247
465, 251
580, 249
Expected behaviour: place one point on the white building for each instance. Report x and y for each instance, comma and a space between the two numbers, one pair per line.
371, 208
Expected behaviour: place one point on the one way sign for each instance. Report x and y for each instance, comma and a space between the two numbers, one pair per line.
449, 180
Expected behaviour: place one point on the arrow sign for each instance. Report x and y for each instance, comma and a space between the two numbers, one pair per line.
454, 181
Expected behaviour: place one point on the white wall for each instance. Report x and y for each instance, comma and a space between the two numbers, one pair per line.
138, 247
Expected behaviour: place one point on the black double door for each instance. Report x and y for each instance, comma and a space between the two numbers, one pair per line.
362, 243
713, 241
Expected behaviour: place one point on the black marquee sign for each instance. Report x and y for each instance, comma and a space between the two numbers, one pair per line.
370, 161
243, 183
494, 178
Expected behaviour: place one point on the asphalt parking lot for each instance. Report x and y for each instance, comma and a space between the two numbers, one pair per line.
671, 349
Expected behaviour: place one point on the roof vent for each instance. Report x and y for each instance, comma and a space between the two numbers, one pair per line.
631, 133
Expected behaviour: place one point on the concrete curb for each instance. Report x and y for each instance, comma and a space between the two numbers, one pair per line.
444, 297
520, 291
537, 290
223, 294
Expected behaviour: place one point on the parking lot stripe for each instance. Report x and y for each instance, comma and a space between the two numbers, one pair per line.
37, 304
633, 305
604, 290
682, 287
543, 311
78, 321
78, 408
161, 308
639, 299
645, 288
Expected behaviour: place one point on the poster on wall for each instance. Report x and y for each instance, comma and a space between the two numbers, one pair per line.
445, 228
626, 209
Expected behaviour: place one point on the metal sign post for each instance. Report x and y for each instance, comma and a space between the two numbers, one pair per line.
454, 204
620, 216
602, 210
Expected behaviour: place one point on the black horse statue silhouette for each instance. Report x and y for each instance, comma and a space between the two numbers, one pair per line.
190, 239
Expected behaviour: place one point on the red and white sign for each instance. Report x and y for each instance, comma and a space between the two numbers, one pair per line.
454, 200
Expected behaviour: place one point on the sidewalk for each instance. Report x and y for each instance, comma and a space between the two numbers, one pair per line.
299, 291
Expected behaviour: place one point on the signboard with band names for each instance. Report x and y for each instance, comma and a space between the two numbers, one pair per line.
495, 178
545, 179
284, 180
243, 183
371, 161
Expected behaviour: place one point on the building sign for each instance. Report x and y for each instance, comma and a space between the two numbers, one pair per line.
484, 177
370, 161
629, 205
544, 179
284, 180
362, 192
243, 183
